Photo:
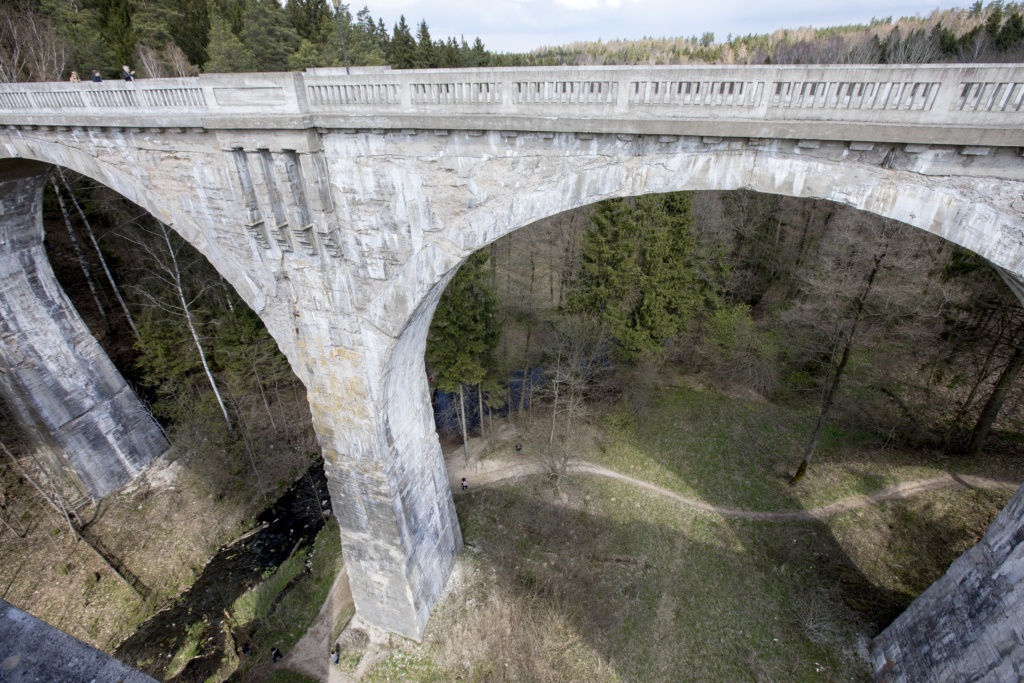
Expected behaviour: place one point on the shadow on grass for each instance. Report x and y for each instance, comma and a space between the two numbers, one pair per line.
661, 593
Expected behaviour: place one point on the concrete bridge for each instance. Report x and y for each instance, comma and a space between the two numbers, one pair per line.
339, 206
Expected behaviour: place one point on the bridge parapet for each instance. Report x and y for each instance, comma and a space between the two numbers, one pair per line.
927, 104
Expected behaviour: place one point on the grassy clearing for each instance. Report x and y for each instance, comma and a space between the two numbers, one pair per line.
608, 583
902, 548
739, 453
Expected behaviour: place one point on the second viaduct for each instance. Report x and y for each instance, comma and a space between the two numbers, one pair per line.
339, 206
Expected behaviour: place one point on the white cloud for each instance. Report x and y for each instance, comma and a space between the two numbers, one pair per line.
588, 5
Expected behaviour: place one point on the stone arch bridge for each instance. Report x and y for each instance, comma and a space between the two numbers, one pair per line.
339, 206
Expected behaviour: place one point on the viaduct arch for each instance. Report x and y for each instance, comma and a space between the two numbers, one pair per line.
340, 206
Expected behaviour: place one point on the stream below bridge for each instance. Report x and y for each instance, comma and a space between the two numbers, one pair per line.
290, 523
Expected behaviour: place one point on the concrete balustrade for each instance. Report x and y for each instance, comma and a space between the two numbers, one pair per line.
928, 104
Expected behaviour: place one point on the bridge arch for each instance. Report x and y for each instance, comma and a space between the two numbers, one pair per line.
983, 214
136, 189
404, 206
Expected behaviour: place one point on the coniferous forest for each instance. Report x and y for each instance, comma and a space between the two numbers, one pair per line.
792, 345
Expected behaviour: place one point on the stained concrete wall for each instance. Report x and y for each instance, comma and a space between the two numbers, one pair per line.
339, 208
58, 379
32, 651
967, 627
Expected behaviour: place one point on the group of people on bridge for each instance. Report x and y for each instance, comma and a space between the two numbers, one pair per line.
127, 74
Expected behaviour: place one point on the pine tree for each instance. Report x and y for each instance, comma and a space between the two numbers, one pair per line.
191, 30
227, 53
638, 271
117, 30
426, 54
307, 17
402, 54
268, 35
464, 331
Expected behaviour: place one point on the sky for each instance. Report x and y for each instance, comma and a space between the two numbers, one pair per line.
521, 25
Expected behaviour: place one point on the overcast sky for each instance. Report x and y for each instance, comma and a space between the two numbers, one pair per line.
521, 25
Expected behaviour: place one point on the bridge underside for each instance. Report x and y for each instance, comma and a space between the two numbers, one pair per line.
342, 241
83, 417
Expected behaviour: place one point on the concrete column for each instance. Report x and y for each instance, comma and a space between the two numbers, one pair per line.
53, 372
371, 408
968, 625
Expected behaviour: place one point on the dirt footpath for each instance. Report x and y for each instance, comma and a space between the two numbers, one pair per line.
311, 655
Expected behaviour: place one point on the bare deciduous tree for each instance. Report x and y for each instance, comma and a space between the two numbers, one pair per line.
578, 365
164, 268
847, 303
30, 49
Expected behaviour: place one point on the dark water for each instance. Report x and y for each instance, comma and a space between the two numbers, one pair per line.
292, 521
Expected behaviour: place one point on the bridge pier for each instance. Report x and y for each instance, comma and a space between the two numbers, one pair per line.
67, 394
370, 403
967, 625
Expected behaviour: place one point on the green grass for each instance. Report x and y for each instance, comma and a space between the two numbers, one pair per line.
635, 588
188, 650
344, 617
739, 453
255, 603
299, 606
404, 666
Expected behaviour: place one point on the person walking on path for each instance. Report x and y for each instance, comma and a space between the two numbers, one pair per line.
464, 484
275, 654
96, 78
127, 74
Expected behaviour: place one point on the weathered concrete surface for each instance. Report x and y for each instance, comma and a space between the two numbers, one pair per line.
967, 627
340, 207
32, 651
57, 378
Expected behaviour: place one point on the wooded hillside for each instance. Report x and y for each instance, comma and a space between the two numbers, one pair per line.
47, 39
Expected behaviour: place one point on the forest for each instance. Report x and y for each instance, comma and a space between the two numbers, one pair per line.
45, 40
868, 336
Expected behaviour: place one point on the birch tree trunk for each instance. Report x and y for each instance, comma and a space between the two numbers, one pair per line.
180, 290
78, 254
99, 253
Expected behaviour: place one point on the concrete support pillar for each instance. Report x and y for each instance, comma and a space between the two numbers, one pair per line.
389, 488
53, 372
968, 625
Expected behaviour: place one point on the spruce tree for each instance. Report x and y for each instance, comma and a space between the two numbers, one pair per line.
402, 54
426, 54
638, 272
465, 331
117, 30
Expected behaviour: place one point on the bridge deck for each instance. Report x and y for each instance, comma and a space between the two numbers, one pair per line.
958, 104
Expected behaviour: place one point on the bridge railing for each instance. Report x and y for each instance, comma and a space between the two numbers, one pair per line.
960, 104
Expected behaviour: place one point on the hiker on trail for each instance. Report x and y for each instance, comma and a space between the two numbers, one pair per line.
96, 78
275, 654
334, 655
127, 74
464, 484
519, 449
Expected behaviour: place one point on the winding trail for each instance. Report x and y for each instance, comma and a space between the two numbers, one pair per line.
309, 655
488, 472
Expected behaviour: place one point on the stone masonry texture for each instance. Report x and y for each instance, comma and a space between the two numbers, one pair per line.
64, 388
